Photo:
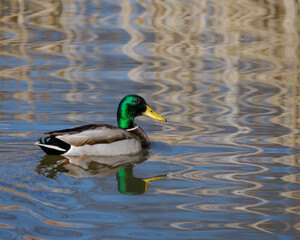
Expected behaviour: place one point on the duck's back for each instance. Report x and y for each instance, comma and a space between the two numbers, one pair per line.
91, 134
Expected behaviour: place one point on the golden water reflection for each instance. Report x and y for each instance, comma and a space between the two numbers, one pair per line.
226, 75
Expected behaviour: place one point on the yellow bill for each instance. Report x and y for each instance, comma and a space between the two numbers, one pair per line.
151, 114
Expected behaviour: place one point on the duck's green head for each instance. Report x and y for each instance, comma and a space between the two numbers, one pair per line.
132, 106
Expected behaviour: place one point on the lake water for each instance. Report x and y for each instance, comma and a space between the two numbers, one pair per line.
224, 73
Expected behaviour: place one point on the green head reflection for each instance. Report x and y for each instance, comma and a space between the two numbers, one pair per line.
130, 185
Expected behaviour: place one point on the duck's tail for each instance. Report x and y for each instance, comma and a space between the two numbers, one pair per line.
52, 145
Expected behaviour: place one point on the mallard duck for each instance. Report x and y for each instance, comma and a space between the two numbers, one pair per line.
104, 139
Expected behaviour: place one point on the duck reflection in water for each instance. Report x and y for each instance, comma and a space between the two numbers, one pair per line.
98, 166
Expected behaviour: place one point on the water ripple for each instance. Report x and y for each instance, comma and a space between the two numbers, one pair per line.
224, 74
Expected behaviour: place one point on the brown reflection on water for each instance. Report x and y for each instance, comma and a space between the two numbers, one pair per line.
34, 34
239, 46
245, 41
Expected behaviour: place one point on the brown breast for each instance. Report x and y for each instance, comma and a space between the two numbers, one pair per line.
141, 135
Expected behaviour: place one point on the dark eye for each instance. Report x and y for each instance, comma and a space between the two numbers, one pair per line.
136, 101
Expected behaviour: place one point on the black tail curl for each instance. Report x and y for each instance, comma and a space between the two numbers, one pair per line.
49, 141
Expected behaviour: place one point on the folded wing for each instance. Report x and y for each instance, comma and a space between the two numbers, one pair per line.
91, 134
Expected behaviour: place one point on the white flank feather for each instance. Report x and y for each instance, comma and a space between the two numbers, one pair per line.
50, 146
123, 147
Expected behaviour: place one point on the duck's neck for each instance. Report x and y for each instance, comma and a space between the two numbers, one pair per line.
125, 121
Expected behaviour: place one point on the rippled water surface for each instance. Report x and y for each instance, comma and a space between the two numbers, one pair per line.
224, 73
